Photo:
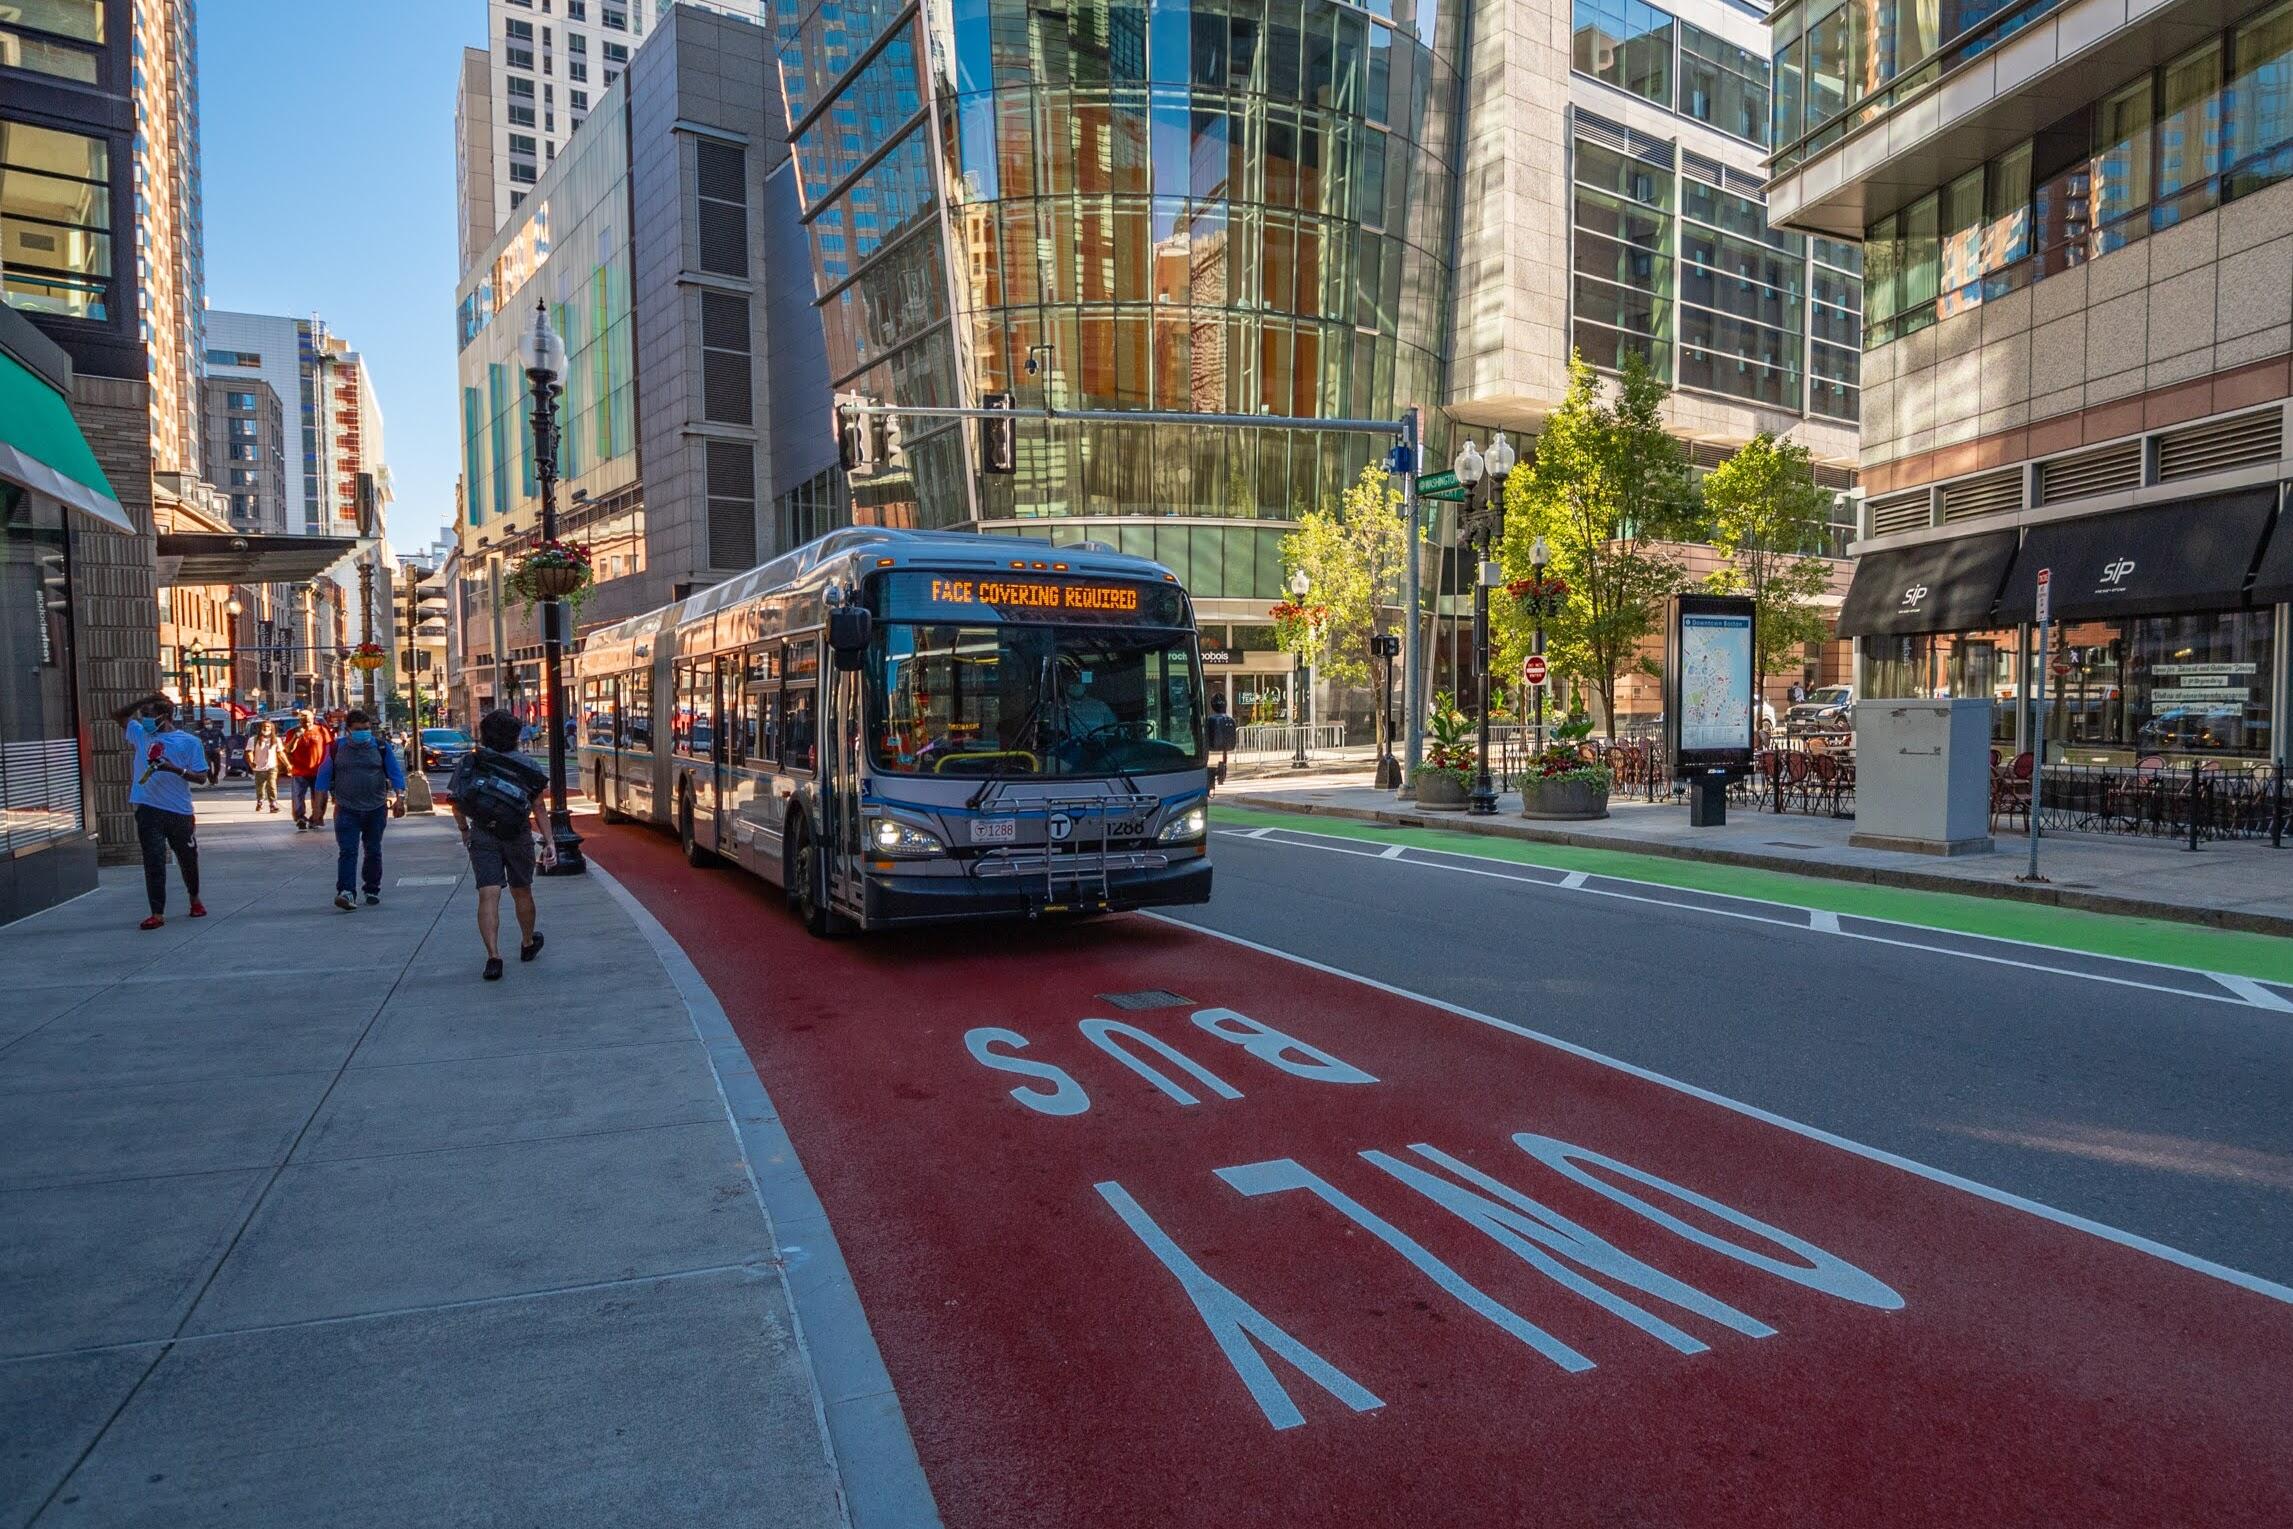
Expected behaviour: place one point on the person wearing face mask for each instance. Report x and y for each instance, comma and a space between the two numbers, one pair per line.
164, 760
1086, 713
367, 783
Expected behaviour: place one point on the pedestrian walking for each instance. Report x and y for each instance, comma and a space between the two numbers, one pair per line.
264, 756
165, 759
368, 785
307, 748
497, 806
1218, 709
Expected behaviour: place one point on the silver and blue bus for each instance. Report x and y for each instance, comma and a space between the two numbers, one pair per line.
899, 727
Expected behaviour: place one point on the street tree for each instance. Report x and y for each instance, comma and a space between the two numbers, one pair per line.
1607, 485
1765, 512
1353, 553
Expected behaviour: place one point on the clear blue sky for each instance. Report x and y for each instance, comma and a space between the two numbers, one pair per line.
327, 147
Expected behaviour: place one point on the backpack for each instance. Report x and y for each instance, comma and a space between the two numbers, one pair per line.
361, 779
499, 792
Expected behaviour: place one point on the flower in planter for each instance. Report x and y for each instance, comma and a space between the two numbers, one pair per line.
367, 655
1569, 757
554, 570
1449, 742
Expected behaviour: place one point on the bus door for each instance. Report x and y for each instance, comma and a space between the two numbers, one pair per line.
840, 785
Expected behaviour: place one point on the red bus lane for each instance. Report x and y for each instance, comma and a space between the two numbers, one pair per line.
1274, 1246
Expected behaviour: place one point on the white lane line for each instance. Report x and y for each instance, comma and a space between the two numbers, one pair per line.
1823, 920
1996, 1196
1795, 916
1791, 920
1256, 833
2254, 993
1393, 852
1574, 879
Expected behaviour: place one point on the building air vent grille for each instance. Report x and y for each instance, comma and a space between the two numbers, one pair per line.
1706, 455
2107, 470
1908, 511
1834, 478
1746, 185
2243, 440
1706, 170
1615, 135
1998, 493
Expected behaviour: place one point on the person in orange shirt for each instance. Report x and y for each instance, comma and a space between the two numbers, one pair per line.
307, 748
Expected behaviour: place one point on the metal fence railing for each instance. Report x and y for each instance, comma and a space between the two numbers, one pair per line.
2195, 802
1284, 738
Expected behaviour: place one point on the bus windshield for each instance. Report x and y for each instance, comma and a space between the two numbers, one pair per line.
1032, 700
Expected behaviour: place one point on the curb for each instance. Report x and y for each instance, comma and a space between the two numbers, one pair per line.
1917, 881
879, 1477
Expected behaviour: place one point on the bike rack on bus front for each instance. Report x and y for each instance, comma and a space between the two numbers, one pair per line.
1106, 807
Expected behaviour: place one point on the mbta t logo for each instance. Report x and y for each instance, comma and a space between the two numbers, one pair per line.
2115, 573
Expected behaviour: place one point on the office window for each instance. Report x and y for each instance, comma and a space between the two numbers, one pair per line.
576, 44
520, 143
521, 86
576, 69
579, 99
521, 30
517, 57
616, 53
524, 175
2189, 136
520, 116
1626, 43
2260, 147
614, 17
239, 400
55, 221
1723, 85
611, 75
577, 10
63, 38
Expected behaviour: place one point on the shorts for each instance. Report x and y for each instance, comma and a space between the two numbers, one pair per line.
498, 862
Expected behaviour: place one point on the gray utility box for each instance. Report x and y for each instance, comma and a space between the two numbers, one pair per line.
1922, 776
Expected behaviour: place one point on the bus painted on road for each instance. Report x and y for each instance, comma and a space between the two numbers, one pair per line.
901, 726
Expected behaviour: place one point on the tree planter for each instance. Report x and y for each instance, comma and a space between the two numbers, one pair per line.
1563, 800
1439, 791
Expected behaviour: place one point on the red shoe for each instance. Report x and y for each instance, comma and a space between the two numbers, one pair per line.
152, 922
198, 908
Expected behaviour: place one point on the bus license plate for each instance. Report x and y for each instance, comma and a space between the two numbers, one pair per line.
994, 830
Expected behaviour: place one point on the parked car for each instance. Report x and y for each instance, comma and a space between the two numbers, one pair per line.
1830, 709
443, 748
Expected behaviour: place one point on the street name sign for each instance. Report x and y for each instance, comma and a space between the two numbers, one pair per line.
1436, 483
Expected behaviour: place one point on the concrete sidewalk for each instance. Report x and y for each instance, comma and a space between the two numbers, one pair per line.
2229, 885
301, 1223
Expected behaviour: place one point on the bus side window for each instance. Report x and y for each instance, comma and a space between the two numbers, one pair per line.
739, 722
637, 714
767, 704
798, 703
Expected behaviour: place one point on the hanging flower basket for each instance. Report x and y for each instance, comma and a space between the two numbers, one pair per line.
554, 570
367, 655
1540, 596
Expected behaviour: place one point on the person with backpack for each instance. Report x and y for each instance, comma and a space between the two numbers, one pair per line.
497, 801
367, 784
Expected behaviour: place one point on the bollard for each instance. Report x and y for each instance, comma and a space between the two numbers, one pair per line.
2195, 767
418, 793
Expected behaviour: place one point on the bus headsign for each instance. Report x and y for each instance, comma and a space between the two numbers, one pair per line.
1029, 597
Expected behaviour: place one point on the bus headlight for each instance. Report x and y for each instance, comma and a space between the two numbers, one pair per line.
1187, 827
890, 838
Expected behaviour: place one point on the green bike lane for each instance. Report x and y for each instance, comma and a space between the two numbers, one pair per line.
2190, 947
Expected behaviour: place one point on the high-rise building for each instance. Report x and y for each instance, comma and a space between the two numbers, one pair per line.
1311, 212
520, 97
664, 238
244, 429
2077, 223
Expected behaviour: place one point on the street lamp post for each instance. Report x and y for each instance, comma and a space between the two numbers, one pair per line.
232, 609
1484, 480
1299, 586
544, 364
1539, 556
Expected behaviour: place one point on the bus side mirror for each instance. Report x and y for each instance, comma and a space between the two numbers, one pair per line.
850, 627
1224, 734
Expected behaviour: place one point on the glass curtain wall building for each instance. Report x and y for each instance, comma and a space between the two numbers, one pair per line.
1224, 206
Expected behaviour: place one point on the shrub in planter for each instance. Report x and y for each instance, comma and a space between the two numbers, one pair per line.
1446, 776
1565, 781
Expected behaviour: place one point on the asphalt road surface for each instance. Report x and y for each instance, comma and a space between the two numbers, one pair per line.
1157, 1227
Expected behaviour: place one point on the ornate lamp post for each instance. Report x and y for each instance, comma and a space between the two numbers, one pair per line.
1484, 480
232, 609
1542, 598
544, 365
1299, 586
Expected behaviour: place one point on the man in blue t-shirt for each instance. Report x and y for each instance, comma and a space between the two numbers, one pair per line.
163, 760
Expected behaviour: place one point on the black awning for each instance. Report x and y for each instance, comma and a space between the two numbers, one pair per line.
2274, 584
248, 558
1946, 586
2187, 555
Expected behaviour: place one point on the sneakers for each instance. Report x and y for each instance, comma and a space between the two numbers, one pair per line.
302, 827
528, 952
198, 908
493, 966
373, 899
155, 921
344, 901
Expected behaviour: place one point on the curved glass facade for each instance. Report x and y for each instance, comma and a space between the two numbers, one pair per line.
1224, 206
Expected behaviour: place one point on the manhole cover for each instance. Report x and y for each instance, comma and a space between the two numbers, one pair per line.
1792, 844
1150, 998
426, 881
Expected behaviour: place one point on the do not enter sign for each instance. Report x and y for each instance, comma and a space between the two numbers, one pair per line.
1533, 670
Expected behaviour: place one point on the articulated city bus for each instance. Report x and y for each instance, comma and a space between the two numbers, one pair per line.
902, 726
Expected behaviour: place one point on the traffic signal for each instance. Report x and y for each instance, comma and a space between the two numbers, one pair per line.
854, 449
999, 436
895, 449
